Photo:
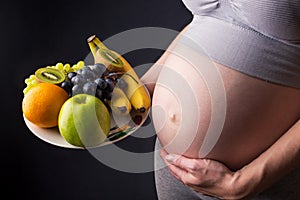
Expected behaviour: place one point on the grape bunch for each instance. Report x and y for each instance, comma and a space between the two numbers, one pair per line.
93, 80
30, 82
67, 68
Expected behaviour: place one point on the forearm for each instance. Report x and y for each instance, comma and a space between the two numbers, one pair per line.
281, 158
150, 77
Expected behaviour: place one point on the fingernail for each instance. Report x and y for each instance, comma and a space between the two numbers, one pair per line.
170, 158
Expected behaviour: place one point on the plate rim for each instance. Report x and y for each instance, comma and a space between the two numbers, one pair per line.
64, 144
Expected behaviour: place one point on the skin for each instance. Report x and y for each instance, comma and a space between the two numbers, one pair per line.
213, 178
271, 139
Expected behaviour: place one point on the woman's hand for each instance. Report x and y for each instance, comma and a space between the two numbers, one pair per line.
213, 178
204, 175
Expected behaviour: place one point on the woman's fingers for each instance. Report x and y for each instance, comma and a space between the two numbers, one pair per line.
202, 175
190, 165
184, 169
192, 180
175, 172
179, 173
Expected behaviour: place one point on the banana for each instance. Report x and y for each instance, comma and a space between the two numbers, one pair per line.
119, 102
114, 62
111, 59
136, 93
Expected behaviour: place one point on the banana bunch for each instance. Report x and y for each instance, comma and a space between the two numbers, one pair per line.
135, 91
119, 102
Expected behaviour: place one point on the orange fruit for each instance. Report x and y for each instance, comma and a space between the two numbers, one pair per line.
42, 103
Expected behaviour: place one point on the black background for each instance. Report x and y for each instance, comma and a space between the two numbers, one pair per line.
37, 33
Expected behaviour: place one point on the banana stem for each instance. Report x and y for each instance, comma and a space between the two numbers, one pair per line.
95, 44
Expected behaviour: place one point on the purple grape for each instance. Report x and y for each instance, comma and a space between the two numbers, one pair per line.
67, 86
98, 69
89, 88
88, 75
77, 80
101, 83
106, 95
99, 94
86, 68
76, 89
110, 85
79, 71
71, 75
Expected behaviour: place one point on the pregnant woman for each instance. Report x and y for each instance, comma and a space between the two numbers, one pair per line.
226, 103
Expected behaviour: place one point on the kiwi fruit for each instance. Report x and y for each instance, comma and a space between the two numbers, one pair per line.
50, 75
111, 58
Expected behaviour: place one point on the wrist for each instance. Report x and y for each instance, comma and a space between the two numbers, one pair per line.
238, 188
244, 183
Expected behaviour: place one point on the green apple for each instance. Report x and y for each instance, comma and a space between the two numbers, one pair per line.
84, 121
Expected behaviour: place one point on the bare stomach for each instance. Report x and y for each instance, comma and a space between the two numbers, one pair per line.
196, 117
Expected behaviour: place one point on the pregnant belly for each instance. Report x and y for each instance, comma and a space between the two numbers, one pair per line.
227, 116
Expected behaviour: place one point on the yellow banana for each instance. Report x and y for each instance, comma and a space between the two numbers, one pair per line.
111, 59
114, 62
119, 102
136, 92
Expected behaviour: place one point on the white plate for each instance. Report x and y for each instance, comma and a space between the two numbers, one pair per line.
52, 135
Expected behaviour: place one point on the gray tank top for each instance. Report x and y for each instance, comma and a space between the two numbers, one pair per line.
258, 37
279, 19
